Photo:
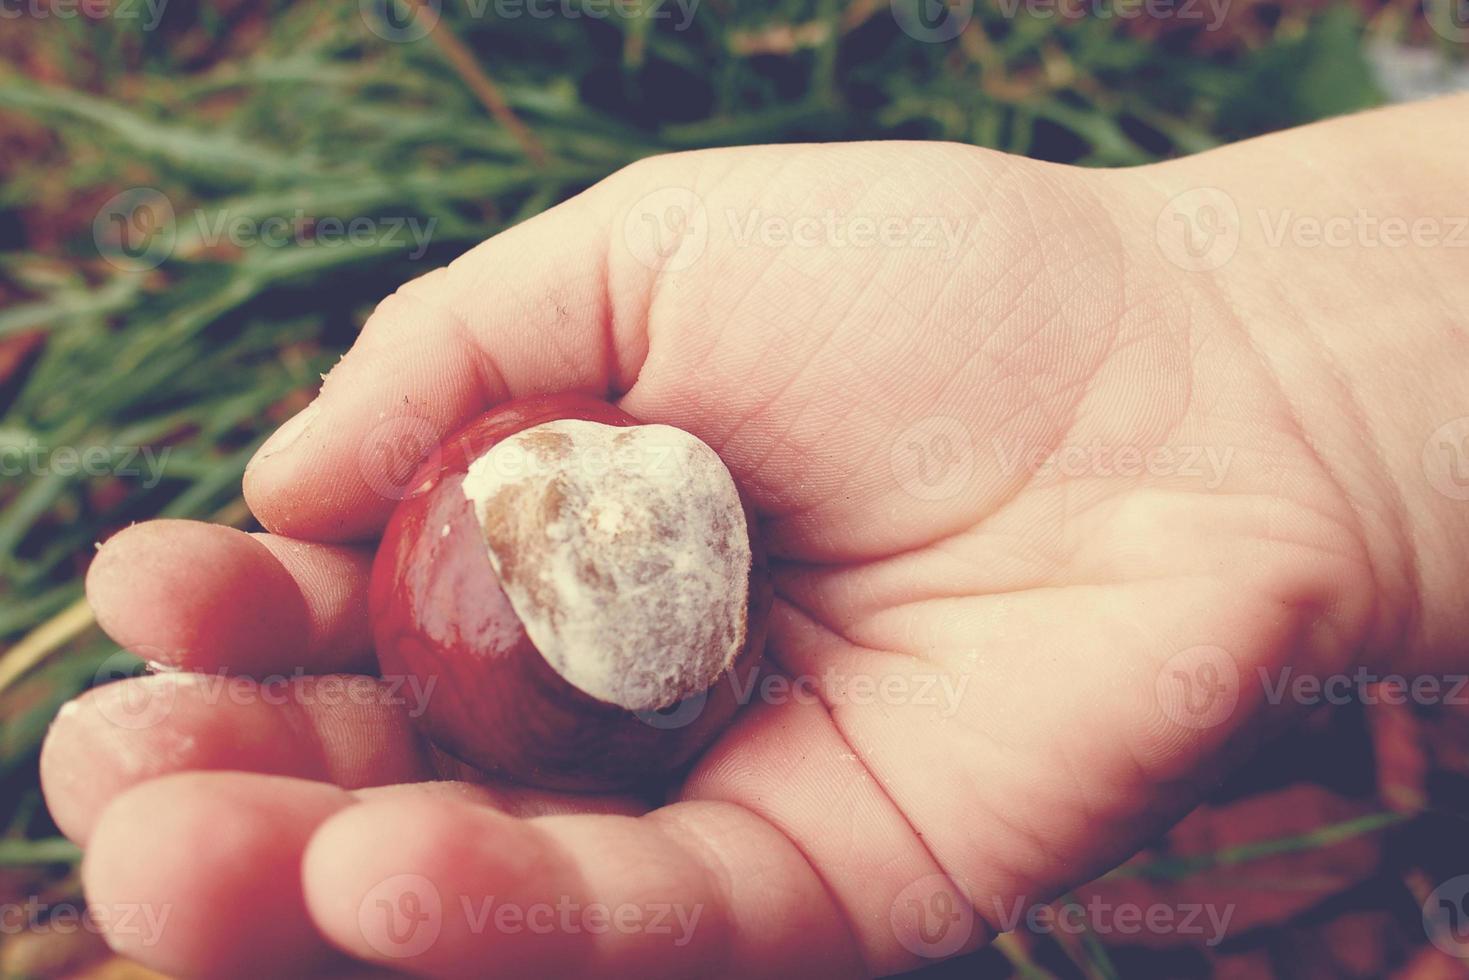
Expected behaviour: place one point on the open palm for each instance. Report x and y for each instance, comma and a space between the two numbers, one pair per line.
1039, 512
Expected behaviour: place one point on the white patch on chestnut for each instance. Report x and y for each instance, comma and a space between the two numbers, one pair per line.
624, 551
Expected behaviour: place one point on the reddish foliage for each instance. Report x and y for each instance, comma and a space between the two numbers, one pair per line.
1402, 761
1259, 893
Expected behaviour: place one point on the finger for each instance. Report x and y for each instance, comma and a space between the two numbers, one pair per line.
349, 730
698, 889
518, 801
333, 581
206, 597
525, 312
201, 867
199, 874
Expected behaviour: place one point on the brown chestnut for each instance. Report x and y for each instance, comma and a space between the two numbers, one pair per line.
575, 590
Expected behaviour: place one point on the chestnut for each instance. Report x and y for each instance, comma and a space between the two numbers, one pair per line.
575, 590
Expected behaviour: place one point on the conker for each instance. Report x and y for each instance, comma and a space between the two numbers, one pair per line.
577, 587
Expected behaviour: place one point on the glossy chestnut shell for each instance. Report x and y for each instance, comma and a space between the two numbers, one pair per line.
440, 617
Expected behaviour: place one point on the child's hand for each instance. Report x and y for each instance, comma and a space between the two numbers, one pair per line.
1045, 506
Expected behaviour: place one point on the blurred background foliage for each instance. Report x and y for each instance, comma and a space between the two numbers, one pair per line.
131, 128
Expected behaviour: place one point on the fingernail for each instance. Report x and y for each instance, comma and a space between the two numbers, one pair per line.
287, 434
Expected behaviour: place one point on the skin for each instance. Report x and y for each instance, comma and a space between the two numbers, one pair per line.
1081, 616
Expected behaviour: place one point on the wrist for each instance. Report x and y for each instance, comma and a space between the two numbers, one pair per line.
1350, 284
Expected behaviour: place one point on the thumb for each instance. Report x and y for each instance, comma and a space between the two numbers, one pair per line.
529, 311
